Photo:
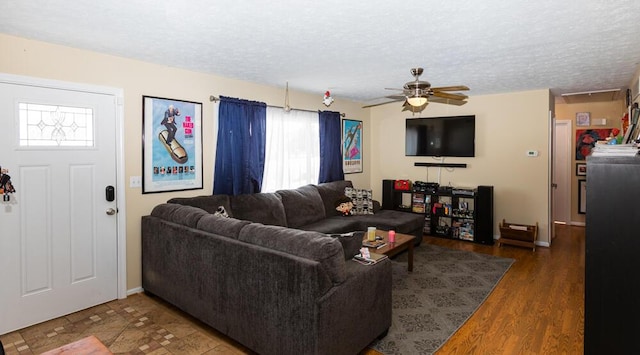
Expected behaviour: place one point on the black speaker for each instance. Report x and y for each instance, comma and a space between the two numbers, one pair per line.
388, 195
484, 215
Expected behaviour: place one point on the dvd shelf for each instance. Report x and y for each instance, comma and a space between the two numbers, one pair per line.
449, 212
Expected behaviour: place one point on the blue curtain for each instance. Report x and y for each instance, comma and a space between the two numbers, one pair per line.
330, 147
240, 149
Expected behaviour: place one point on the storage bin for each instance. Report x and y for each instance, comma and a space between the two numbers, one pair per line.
518, 234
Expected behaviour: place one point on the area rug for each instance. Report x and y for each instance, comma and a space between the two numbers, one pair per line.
432, 302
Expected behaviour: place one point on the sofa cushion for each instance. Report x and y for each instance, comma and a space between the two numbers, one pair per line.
302, 205
401, 222
330, 192
185, 215
310, 245
226, 227
362, 200
207, 203
265, 208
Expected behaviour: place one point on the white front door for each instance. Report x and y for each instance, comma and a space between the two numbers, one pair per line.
58, 242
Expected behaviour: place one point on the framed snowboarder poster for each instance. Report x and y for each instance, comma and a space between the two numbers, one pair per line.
171, 145
351, 146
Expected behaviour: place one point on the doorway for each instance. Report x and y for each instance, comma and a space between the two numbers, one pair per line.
561, 180
62, 246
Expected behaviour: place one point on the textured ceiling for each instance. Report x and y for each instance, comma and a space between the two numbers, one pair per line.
356, 48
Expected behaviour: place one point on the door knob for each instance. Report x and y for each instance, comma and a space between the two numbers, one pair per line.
111, 211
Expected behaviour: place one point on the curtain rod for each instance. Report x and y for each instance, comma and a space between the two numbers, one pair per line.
216, 99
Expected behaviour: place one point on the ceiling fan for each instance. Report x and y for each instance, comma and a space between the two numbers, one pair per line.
418, 93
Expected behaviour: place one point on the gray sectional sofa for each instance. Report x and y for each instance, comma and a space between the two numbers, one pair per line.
310, 208
268, 276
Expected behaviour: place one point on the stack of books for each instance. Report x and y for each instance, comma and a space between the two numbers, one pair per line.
373, 243
373, 258
614, 150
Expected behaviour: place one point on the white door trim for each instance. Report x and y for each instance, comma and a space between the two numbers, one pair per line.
118, 95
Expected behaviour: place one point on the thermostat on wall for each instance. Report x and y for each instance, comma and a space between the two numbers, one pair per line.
532, 153
600, 122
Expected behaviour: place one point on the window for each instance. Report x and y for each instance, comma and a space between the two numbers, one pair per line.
292, 157
55, 126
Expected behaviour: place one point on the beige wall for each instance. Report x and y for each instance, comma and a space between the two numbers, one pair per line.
612, 111
507, 126
136, 78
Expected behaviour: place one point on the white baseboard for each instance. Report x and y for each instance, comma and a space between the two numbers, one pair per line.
133, 291
538, 242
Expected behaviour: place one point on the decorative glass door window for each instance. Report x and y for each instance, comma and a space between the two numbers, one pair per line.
44, 125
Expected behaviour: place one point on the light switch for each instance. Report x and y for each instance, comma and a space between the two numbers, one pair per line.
532, 153
135, 181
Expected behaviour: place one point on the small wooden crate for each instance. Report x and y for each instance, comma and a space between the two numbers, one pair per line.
523, 235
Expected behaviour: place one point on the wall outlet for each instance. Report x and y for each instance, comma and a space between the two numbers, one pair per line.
532, 153
135, 181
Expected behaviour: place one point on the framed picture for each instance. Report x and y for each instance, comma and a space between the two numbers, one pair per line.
586, 139
171, 145
581, 169
582, 196
351, 146
633, 131
583, 119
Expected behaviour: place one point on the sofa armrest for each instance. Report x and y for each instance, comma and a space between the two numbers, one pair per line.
358, 311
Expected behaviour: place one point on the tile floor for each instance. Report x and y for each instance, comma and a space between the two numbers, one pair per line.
139, 324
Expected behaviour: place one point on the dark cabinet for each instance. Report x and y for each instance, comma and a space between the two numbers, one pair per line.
612, 256
449, 213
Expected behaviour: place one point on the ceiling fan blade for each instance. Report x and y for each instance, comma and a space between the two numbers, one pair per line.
396, 97
383, 103
441, 100
447, 95
396, 89
451, 88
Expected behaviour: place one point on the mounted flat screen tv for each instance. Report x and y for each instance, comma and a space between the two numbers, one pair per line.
451, 136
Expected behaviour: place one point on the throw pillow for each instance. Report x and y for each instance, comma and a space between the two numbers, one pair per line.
351, 243
362, 200
344, 205
222, 212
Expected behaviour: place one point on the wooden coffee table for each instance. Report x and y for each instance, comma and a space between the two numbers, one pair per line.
403, 242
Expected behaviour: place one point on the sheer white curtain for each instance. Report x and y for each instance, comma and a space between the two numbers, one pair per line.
292, 157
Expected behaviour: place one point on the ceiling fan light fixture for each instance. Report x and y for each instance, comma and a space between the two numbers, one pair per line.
416, 101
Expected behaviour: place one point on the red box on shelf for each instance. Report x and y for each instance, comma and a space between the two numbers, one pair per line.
402, 185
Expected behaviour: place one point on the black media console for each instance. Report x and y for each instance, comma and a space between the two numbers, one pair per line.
449, 212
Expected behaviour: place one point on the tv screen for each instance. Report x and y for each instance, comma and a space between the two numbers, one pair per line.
452, 136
